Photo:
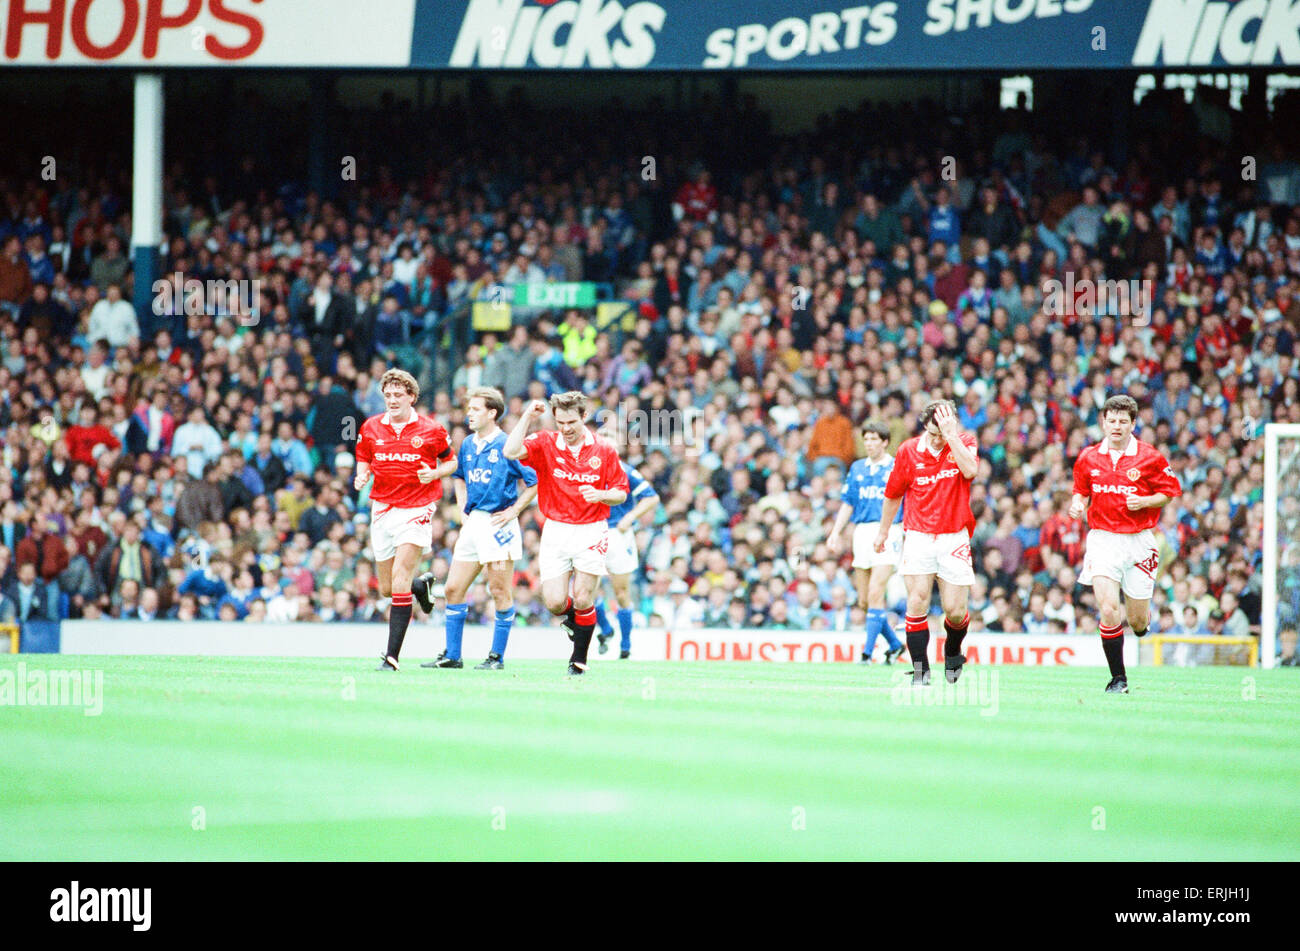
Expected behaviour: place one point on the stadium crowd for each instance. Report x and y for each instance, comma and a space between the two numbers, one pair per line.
197, 465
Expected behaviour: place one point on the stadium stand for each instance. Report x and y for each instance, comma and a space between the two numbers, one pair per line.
786, 289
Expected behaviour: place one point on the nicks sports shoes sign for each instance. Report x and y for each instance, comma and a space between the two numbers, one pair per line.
673, 35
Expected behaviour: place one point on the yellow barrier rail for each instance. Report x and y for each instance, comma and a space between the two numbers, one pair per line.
12, 630
1158, 642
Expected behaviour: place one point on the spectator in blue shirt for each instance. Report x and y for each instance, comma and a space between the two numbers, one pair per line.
971, 412
1036, 620
207, 585
1192, 625
38, 262
944, 224
292, 451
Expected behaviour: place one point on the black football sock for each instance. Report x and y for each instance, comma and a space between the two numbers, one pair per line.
918, 639
952, 646
585, 623
1112, 642
399, 618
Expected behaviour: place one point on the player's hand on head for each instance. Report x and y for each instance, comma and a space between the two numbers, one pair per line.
946, 420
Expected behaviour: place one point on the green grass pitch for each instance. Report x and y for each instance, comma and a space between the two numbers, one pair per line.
327, 759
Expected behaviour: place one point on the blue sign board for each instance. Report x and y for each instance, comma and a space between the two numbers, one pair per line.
817, 34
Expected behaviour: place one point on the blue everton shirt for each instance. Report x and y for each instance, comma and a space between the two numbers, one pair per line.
864, 489
945, 224
638, 489
491, 480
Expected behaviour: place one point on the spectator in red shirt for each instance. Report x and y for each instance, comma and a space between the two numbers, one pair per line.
90, 538
697, 200
15, 278
950, 281
1062, 534
1214, 340
83, 438
43, 548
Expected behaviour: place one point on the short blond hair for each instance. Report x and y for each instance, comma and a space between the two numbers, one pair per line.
492, 398
402, 379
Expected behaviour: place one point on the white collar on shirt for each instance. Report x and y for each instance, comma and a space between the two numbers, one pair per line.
480, 443
1130, 450
588, 439
925, 444
388, 421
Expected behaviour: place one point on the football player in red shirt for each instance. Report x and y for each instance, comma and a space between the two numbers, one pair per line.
934, 470
1128, 481
408, 455
579, 476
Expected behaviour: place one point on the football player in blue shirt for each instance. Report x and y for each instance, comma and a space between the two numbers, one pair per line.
487, 491
621, 561
861, 502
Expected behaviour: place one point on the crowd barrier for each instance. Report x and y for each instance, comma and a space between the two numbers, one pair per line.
218, 638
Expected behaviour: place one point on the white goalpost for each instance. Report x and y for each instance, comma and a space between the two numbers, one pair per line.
1281, 588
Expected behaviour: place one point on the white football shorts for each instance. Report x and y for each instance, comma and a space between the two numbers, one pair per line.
1132, 559
390, 527
864, 546
947, 555
622, 557
568, 547
482, 542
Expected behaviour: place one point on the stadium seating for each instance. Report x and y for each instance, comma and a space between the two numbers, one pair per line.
865, 292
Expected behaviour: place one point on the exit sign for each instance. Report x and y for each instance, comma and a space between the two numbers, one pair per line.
555, 295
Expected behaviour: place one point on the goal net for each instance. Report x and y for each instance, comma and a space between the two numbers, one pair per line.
1281, 589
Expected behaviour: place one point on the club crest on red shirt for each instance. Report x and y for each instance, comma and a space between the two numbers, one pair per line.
595, 462
1133, 474
417, 442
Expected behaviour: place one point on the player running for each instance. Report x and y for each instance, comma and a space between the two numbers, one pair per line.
1128, 481
408, 455
621, 561
579, 477
863, 499
934, 471
487, 493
